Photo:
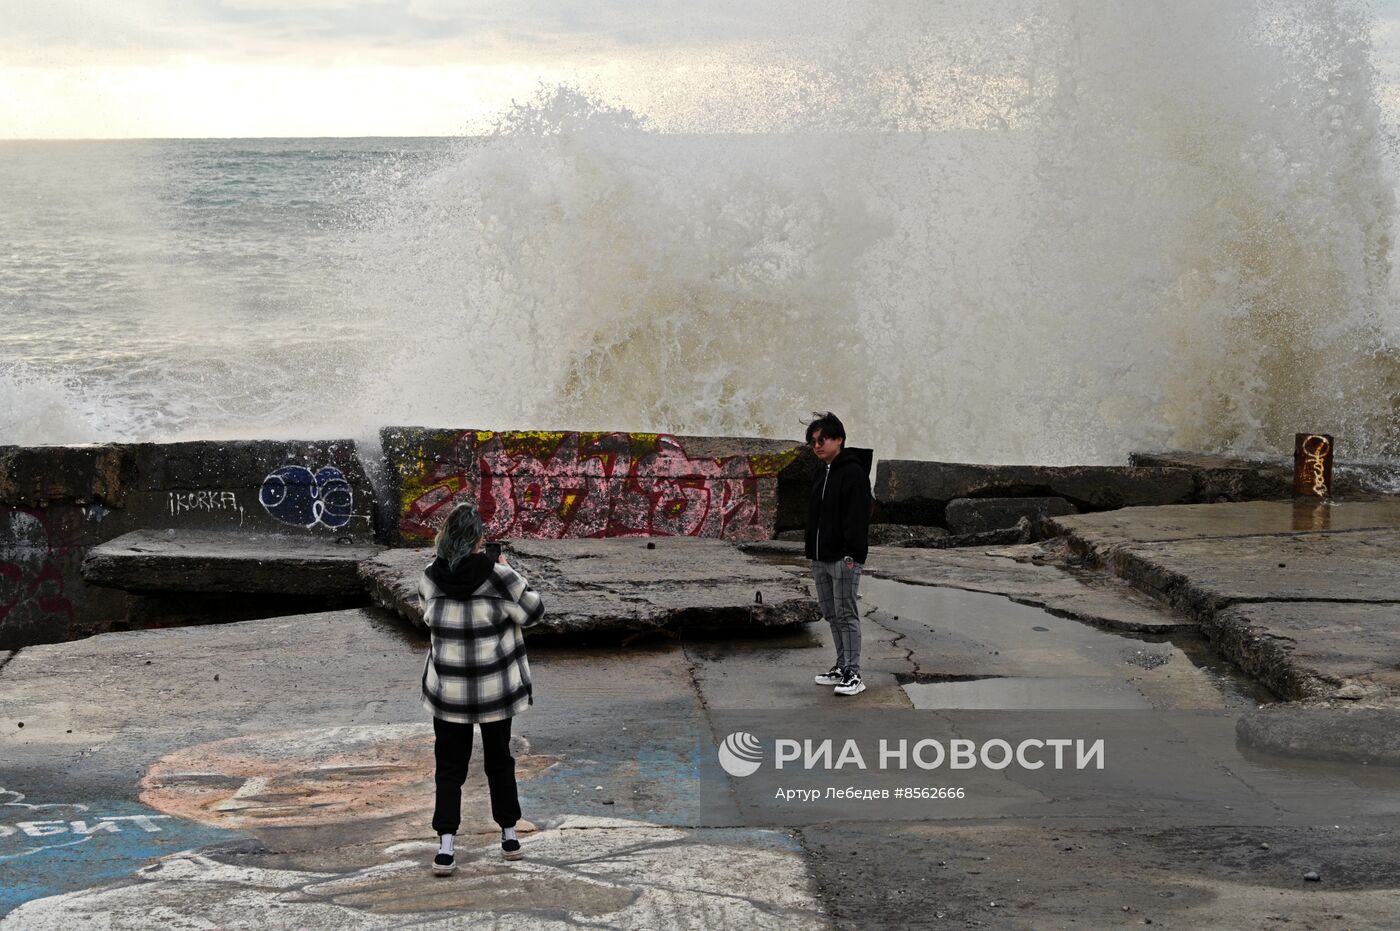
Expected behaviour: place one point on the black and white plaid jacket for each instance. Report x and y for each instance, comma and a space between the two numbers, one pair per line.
477, 669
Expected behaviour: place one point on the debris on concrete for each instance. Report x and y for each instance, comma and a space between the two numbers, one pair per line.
980, 515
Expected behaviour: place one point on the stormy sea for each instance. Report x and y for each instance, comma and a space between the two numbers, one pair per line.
1058, 234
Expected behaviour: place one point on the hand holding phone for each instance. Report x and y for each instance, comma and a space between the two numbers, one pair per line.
493, 552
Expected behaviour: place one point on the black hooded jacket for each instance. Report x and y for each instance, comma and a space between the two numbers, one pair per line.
838, 516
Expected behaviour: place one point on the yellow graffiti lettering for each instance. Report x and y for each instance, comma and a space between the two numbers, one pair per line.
1315, 449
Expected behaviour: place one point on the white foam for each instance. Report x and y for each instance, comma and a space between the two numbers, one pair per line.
1027, 231
50, 408
1174, 228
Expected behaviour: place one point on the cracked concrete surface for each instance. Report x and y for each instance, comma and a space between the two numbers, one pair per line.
1033, 575
624, 586
314, 721
583, 873
1302, 595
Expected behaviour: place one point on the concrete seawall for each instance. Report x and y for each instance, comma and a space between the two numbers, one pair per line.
58, 502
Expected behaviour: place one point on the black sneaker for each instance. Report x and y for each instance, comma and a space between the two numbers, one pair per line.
444, 864
833, 676
851, 685
510, 849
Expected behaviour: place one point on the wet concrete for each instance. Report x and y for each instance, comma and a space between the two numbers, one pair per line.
1032, 575
1039, 693
1018, 871
1015, 654
1226, 520
286, 768
1301, 595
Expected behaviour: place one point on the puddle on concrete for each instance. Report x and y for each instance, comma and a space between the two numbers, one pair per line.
982, 651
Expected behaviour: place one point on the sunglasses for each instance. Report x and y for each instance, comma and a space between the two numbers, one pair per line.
818, 441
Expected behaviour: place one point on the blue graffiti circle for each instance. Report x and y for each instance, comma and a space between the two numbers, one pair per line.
295, 495
337, 501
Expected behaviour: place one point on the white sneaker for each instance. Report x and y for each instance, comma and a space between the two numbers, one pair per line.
850, 685
833, 676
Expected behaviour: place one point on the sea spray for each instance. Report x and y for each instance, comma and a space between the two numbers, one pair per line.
1021, 231
578, 270
1145, 228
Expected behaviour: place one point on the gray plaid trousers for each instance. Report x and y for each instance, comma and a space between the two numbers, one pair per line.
837, 583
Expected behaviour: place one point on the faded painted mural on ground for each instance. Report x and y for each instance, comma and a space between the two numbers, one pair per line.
49, 848
538, 485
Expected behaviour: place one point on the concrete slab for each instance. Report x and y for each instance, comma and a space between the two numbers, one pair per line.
1314, 649
1039, 693
1303, 596
980, 515
601, 873
1241, 519
914, 492
567, 484
775, 672
281, 770
1225, 478
1230, 478
1010, 875
119, 700
1029, 575
1206, 575
293, 789
1339, 730
217, 561
625, 586
962, 639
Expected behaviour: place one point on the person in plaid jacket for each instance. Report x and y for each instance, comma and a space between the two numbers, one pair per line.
477, 673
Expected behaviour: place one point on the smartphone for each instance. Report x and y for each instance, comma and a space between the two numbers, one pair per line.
493, 551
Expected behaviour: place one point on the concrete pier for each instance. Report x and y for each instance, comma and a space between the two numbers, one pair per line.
279, 770
1234, 662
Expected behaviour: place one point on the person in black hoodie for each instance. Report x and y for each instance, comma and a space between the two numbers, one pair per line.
838, 526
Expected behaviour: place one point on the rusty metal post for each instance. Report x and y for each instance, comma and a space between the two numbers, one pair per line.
1312, 465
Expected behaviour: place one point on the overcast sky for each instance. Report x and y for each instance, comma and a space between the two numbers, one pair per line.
194, 68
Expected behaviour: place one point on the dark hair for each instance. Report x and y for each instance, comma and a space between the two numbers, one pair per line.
460, 534
829, 426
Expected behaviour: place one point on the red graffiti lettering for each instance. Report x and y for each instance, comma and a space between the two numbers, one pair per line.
554, 486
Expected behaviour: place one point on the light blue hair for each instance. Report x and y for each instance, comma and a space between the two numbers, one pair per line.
460, 534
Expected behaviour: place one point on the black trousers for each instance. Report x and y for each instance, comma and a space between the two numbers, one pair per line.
452, 749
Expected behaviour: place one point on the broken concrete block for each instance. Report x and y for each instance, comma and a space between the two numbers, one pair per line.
214, 561
624, 586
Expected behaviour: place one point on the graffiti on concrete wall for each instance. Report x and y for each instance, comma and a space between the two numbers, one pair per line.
295, 495
31, 579
579, 485
210, 501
